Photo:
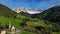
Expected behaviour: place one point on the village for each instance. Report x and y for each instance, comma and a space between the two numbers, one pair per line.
11, 30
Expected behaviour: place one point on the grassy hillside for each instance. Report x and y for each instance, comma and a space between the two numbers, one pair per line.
4, 21
29, 25
5, 11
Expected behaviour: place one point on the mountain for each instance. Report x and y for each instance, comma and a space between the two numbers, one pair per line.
26, 25
28, 15
5, 11
28, 12
52, 14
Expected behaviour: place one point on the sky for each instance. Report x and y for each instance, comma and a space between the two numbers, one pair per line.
41, 4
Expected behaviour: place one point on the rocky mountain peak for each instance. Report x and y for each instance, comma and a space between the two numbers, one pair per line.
30, 11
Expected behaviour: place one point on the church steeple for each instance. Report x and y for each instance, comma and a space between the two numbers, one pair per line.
9, 26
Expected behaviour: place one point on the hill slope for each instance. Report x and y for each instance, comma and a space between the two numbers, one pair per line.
5, 11
52, 14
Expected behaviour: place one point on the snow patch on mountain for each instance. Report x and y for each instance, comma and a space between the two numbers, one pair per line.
30, 11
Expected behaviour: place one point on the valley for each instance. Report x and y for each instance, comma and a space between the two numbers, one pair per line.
22, 23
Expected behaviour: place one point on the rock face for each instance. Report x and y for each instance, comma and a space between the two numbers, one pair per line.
30, 11
18, 10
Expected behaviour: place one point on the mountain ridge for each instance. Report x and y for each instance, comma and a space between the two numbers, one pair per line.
7, 12
52, 14
30, 11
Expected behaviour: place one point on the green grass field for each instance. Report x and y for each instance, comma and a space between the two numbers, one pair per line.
26, 32
4, 21
16, 23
